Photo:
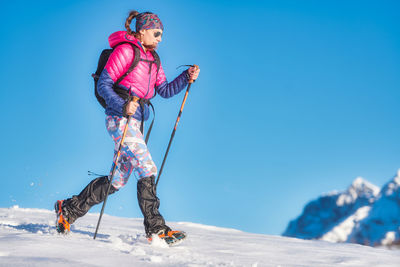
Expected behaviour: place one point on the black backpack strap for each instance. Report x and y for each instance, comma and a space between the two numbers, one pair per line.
156, 60
134, 63
151, 124
158, 63
142, 102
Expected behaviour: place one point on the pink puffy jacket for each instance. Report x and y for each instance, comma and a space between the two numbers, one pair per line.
140, 80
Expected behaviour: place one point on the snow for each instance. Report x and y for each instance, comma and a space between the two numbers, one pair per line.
28, 238
389, 238
341, 232
393, 186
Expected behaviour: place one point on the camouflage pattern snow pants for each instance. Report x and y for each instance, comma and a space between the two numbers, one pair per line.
135, 155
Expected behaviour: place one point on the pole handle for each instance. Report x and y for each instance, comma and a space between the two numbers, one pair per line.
134, 99
197, 67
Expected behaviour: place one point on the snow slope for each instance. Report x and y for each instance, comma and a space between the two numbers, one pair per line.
28, 238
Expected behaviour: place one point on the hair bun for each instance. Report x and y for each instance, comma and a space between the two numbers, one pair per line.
128, 21
133, 13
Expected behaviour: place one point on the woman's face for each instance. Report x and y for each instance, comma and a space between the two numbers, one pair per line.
150, 38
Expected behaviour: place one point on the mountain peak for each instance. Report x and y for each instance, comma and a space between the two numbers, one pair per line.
396, 179
393, 186
360, 188
361, 185
359, 181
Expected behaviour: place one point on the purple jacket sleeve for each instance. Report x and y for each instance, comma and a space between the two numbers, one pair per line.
167, 89
115, 104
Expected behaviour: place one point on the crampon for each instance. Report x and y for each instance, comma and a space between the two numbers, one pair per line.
171, 237
62, 225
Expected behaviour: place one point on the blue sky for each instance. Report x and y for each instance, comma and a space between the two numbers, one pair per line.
294, 98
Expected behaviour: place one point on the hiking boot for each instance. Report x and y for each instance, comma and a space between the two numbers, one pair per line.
62, 224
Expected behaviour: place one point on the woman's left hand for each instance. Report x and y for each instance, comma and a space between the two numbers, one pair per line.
194, 72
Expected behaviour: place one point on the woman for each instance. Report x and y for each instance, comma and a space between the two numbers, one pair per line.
144, 81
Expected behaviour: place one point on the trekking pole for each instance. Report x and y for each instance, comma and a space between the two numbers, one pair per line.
176, 125
135, 99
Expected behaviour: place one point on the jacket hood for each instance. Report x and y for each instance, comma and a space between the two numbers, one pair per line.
122, 36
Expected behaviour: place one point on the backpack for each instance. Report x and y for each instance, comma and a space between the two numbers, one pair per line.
105, 54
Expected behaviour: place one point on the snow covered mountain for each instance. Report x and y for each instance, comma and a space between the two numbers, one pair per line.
362, 214
28, 238
324, 213
382, 225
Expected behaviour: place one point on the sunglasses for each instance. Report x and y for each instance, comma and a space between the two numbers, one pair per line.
157, 34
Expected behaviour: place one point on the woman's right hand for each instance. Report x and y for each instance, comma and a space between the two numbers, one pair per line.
131, 108
193, 72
